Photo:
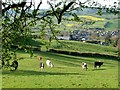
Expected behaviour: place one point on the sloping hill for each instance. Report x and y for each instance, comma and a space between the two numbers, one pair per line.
81, 47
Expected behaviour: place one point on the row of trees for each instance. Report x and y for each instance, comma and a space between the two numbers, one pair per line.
18, 19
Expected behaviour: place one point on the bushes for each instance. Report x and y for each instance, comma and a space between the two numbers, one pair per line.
94, 42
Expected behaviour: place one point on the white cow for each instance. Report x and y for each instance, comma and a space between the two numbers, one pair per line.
84, 65
49, 63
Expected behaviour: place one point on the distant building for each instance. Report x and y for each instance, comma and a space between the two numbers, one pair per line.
63, 37
79, 35
104, 43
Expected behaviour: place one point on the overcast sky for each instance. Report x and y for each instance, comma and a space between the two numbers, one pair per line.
102, 2
46, 6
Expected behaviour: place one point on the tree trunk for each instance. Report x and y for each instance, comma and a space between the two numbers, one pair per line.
118, 43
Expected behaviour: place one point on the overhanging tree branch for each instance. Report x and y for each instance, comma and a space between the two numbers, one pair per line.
22, 4
61, 12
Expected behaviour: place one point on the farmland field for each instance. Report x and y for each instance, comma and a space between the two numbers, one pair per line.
109, 22
93, 18
66, 73
84, 47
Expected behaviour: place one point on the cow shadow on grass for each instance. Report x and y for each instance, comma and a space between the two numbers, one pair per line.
31, 72
98, 69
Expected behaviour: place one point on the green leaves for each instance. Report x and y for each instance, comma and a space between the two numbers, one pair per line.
100, 12
59, 12
58, 4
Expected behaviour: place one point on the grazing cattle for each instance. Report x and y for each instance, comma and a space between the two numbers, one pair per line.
49, 63
40, 58
84, 65
14, 64
41, 65
98, 64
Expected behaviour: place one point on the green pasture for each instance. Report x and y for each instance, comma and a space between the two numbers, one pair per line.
76, 46
66, 73
113, 24
112, 19
97, 24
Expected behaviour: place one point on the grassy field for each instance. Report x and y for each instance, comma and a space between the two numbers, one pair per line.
113, 24
66, 73
93, 18
100, 22
97, 24
84, 47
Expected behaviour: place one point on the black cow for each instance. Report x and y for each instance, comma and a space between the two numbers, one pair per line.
98, 64
14, 65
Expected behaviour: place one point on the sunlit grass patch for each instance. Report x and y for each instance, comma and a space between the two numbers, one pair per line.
70, 25
93, 18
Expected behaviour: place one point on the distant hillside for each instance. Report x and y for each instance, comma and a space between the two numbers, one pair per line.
87, 11
92, 18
